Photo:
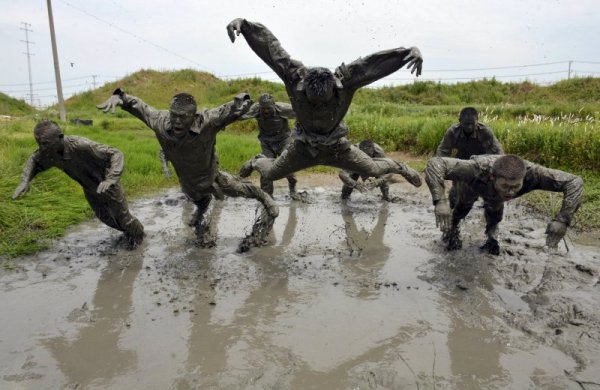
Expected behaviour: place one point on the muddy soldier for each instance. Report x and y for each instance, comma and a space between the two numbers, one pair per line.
188, 139
320, 98
468, 138
274, 134
96, 167
350, 179
497, 179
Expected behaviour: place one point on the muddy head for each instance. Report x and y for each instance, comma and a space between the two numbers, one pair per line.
182, 113
319, 85
266, 105
468, 118
49, 138
368, 147
508, 173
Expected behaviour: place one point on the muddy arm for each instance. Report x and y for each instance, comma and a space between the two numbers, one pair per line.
262, 41
366, 70
347, 178
445, 168
32, 168
558, 181
229, 112
494, 146
252, 113
445, 147
286, 111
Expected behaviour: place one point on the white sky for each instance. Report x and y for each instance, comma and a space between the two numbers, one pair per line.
99, 38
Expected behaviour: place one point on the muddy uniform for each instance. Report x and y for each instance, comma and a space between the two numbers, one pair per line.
350, 178
274, 135
474, 174
89, 164
481, 141
193, 156
320, 136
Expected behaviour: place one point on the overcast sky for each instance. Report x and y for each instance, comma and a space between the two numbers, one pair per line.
110, 39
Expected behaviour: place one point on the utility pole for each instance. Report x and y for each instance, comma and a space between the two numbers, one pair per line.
569, 76
28, 54
61, 100
94, 80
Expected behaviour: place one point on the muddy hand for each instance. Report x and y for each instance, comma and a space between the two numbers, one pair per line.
21, 189
103, 186
443, 215
415, 61
555, 231
111, 104
234, 28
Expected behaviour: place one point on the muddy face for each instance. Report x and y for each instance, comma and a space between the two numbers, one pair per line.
507, 188
182, 119
50, 142
468, 123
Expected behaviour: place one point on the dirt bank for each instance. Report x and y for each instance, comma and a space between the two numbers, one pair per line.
359, 295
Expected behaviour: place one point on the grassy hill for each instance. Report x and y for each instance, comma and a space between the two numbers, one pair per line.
14, 107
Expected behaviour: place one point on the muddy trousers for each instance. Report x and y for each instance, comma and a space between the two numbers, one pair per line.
229, 185
111, 208
273, 150
347, 190
342, 154
465, 197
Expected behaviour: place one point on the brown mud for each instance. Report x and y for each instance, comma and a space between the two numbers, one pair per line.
356, 295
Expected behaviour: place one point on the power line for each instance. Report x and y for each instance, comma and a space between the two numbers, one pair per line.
136, 36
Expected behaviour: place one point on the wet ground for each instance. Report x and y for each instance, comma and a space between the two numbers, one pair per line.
359, 295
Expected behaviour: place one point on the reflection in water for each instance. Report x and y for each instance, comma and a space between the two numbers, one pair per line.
94, 356
367, 245
226, 351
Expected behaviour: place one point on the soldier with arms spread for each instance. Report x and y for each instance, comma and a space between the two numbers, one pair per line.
188, 139
320, 98
96, 167
497, 179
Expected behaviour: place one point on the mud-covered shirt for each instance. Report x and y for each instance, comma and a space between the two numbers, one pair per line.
481, 141
193, 156
476, 173
87, 162
320, 125
275, 128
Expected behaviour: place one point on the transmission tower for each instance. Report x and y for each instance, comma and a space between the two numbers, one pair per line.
25, 27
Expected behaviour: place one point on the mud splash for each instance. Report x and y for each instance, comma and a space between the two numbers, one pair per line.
356, 295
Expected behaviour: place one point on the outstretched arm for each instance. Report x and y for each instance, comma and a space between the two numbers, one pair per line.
444, 168
286, 111
572, 188
445, 147
266, 46
366, 70
115, 160
153, 118
252, 112
32, 168
229, 112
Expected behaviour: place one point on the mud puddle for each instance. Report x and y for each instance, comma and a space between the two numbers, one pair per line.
348, 296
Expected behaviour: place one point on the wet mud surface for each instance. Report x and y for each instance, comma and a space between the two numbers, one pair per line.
356, 295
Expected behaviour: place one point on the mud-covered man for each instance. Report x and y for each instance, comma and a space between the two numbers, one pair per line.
320, 98
497, 179
274, 134
96, 167
187, 138
351, 179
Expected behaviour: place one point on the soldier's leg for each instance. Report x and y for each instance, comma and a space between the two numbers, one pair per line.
465, 198
234, 187
265, 184
452, 194
346, 189
385, 192
294, 158
351, 158
493, 215
201, 222
112, 209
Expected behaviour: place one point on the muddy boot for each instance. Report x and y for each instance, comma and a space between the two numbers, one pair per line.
409, 174
453, 239
204, 236
248, 167
260, 231
491, 246
134, 234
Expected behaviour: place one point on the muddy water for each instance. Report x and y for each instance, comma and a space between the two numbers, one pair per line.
347, 296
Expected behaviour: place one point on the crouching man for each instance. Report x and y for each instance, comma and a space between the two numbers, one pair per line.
96, 167
497, 179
